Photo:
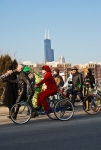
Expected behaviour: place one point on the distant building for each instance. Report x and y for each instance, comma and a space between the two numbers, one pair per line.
66, 67
61, 60
48, 52
27, 62
94, 66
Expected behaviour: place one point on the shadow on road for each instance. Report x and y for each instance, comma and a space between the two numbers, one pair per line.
45, 119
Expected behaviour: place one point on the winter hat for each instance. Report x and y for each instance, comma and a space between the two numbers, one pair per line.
26, 69
74, 68
47, 68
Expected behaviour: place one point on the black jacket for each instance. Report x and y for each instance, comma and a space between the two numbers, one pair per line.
10, 93
76, 80
90, 79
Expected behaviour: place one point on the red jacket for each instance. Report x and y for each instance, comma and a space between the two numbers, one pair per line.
49, 81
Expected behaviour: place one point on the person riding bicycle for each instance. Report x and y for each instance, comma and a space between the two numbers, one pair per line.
58, 79
24, 86
37, 90
68, 85
89, 80
89, 83
51, 88
77, 83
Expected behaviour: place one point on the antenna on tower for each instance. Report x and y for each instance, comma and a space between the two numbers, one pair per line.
45, 35
48, 35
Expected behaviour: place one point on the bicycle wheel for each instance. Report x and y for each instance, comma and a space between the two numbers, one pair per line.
96, 106
20, 113
91, 106
64, 110
52, 105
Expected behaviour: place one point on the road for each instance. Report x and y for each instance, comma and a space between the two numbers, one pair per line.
82, 132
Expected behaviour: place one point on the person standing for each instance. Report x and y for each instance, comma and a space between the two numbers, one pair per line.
11, 90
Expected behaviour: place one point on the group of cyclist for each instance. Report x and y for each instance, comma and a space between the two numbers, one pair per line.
26, 85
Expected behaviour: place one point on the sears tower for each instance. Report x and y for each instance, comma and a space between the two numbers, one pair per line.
48, 52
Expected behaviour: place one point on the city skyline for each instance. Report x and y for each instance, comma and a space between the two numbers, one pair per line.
75, 28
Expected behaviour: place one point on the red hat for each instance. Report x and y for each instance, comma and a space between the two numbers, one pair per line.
47, 68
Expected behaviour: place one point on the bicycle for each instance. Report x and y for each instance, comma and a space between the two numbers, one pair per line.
94, 102
61, 109
78, 105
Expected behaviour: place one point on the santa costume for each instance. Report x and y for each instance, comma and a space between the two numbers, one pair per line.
51, 88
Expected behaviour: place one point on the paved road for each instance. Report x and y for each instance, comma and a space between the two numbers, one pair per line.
82, 132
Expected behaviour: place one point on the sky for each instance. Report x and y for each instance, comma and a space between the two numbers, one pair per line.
74, 27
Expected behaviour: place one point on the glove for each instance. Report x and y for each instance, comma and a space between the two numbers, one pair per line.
79, 85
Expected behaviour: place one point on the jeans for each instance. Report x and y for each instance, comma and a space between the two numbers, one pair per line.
74, 95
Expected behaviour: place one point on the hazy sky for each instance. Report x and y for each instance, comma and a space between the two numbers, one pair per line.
74, 26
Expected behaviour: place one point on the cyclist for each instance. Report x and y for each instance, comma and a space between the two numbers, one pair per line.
30, 76
68, 85
58, 79
51, 88
37, 90
24, 86
89, 79
89, 82
77, 83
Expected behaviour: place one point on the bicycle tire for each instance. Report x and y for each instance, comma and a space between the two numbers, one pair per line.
52, 105
20, 113
64, 110
92, 107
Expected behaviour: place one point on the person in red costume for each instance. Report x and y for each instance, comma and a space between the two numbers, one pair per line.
51, 88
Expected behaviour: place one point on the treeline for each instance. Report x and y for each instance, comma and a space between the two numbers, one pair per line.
5, 62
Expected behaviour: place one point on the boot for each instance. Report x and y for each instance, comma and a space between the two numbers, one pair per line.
8, 116
87, 107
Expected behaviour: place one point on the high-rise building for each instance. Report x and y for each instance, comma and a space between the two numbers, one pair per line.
61, 59
48, 52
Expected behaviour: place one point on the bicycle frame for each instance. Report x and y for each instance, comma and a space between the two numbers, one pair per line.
28, 102
97, 94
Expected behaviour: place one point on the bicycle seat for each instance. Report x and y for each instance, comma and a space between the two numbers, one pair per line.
54, 94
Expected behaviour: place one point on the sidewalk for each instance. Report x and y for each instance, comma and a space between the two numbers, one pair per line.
3, 110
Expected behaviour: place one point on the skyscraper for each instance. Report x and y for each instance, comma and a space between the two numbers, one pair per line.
61, 60
48, 52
